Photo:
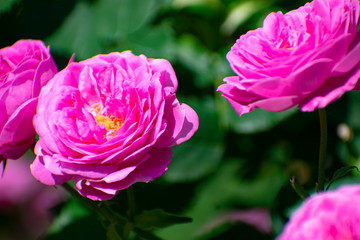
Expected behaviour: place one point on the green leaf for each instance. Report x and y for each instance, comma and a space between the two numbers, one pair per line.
353, 111
192, 160
71, 212
77, 34
189, 3
92, 29
200, 61
112, 233
83, 228
241, 12
6, 5
202, 154
223, 188
341, 173
146, 235
298, 188
156, 219
153, 42
116, 18
256, 121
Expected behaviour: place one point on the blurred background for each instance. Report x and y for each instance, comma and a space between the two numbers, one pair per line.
232, 177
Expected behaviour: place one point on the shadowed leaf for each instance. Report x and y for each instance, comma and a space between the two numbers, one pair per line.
157, 218
341, 173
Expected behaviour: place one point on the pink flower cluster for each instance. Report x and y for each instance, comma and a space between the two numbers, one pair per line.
307, 57
332, 215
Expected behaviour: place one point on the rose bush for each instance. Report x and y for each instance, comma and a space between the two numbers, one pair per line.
308, 57
332, 215
108, 122
25, 67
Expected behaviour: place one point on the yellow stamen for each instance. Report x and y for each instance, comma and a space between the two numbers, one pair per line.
112, 124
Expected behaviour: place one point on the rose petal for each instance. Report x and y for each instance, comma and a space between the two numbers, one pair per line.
42, 174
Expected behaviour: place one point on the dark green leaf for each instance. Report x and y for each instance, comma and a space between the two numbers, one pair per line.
153, 42
256, 121
223, 187
193, 160
71, 212
83, 228
6, 5
298, 188
202, 154
146, 235
158, 218
112, 233
197, 59
353, 111
116, 18
77, 34
341, 173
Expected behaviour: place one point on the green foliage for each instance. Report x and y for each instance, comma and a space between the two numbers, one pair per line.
223, 190
232, 163
5, 5
156, 219
256, 121
69, 214
77, 34
341, 173
202, 154
101, 26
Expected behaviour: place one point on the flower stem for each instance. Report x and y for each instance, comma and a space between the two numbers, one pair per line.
102, 209
131, 202
322, 154
130, 213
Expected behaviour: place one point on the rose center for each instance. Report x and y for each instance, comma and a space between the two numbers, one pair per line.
112, 124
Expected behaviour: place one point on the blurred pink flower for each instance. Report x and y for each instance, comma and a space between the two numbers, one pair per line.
25, 202
108, 122
308, 57
257, 217
25, 67
332, 215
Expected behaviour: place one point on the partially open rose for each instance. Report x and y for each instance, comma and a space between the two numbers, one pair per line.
308, 57
25, 68
108, 122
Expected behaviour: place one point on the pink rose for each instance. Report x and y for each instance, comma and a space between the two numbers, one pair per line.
25, 67
308, 57
108, 122
332, 215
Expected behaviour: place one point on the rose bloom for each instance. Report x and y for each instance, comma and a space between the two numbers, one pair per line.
308, 57
25, 67
108, 122
332, 215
